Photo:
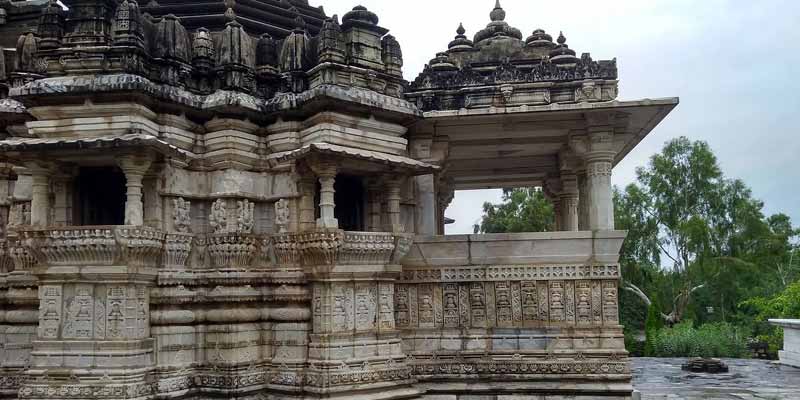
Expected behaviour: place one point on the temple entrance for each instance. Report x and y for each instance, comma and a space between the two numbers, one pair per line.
99, 196
350, 200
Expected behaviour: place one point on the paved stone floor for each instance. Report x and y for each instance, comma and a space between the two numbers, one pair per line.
659, 378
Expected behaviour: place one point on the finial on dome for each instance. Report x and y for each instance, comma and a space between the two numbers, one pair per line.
562, 54
460, 42
230, 15
498, 14
299, 23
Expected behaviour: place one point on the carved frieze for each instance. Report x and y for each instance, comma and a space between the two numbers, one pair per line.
504, 303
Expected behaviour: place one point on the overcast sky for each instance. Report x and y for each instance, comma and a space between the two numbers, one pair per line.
734, 64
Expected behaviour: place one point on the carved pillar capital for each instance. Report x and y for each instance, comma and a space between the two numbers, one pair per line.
135, 167
326, 171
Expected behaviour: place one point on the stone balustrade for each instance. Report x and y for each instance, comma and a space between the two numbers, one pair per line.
328, 247
95, 246
790, 355
525, 305
143, 246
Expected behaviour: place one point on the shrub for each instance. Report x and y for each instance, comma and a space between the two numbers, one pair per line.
710, 340
635, 347
783, 305
652, 325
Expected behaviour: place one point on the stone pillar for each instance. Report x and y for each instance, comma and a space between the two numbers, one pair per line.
40, 194
393, 205
426, 205
569, 203
557, 214
374, 191
601, 204
444, 196
583, 202
327, 205
5, 197
308, 186
134, 168
153, 202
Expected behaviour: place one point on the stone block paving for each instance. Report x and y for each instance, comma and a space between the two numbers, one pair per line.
662, 378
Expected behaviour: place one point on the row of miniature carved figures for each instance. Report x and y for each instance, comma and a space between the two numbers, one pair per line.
163, 49
148, 247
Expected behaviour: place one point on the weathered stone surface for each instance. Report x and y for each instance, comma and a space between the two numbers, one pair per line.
239, 199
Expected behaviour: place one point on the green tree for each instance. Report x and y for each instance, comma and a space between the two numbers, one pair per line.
694, 233
522, 210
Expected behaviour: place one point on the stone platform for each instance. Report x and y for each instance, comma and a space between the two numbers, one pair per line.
790, 355
662, 378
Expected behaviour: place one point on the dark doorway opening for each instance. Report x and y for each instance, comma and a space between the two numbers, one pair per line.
99, 196
350, 200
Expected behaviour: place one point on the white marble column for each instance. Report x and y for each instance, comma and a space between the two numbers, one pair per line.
327, 204
134, 168
598, 176
569, 203
393, 205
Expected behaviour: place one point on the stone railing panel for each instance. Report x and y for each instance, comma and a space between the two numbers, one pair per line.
177, 248
95, 246
366, 248
232, 250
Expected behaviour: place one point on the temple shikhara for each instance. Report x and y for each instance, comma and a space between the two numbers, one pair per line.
244, 199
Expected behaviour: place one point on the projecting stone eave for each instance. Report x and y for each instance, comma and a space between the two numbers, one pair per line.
643, 115
115, 86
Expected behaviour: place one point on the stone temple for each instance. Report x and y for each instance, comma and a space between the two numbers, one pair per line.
244, 199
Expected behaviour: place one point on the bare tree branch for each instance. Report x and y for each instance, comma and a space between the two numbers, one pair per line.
638, 292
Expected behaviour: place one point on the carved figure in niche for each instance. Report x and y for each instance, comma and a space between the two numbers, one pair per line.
556, 301
503, 303
79, 316
245, 217
584, 307
218, 220
451, 317
19, 215
362, 310
51, 317
181, 218
610, 302
282, 215
426, 310
116, 315
477, 303
530, 306
401, 306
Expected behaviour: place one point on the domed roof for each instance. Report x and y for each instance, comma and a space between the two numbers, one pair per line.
498, 28
460, 43
362, 15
